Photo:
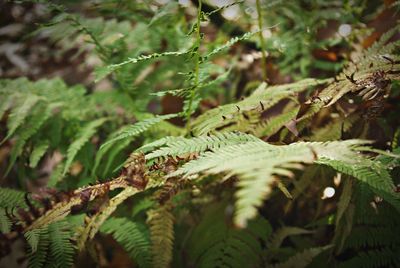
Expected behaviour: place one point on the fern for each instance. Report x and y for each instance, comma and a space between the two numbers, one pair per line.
104, 71
33, 238
61, 248
35, 122
281, 234
94, 223
83, 136
262, 98
214, 243
19, 114
161, 224
377, 54
302, 259
258, 161
374, 258
50, 246
5, 222
175, 146
38, 257
38, 152
133, 236
271, 126
10, 198
136, 129
375, 175
192, 191
344, 215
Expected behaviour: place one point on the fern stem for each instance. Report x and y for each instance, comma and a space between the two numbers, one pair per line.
196, 70
262, 43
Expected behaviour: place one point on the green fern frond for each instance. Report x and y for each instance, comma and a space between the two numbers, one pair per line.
262, 98
5, 222
40, 242
369, 172
302, 259
374, 259
10, 198
334, 129
38, 152
134, 237
213, 243
102, 72
372, 236
175, 146
20, 113
271, 126
161, 224
61, 248
256, 162
228, 44
277, 238
82, 137
33, 237
344, 215
136, 129
36, 121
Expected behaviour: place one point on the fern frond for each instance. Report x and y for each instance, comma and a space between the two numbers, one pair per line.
5, 222
363, 66
176, 146
40, 239
228, 44
32, 237
136, 129
372, 236
63, 208
371, 173
277, 238
255, 162
20, 113
271, 126
334, 129
214, 243
133, 236
61, 248
344, 215
10, 198
38, 152
102, 72
262, 98
161, 224
83, 136
375, 258
94, 223
36, 121
302, 259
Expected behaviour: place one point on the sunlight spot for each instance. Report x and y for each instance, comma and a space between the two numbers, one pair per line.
328, 193
344, 30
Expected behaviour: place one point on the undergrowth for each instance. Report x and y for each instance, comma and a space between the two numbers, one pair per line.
280, 149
